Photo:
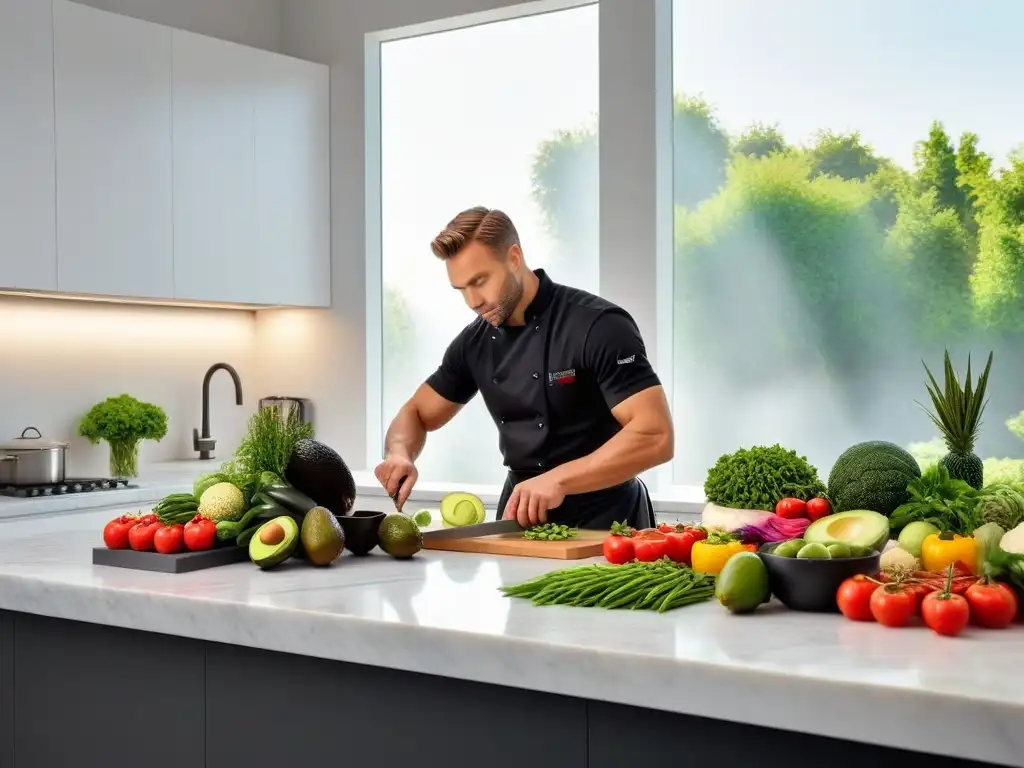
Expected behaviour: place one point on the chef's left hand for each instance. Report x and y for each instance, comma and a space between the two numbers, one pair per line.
531, 499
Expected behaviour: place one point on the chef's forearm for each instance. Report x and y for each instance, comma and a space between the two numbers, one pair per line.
622, 458
407, 435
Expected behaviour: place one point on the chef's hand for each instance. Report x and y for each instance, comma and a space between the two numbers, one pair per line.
390, 474
531, 500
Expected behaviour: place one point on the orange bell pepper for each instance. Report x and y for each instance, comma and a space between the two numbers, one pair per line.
939, 550
711, 555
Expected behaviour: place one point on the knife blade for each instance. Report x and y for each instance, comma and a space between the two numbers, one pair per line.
471, 531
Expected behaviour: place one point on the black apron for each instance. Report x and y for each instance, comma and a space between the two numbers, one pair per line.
628, 503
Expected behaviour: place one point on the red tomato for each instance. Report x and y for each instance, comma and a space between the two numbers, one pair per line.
666, 527
791, 508
649, 546
818, 508
945, 613
992, 604
200, 533
854, 598
680, 543
617, 549
140, 537
115, 533
149, 518
892, 606
169, 539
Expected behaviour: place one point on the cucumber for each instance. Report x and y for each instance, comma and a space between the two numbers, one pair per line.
288, 497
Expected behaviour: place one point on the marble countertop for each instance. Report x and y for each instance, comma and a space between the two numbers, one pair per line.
441, 613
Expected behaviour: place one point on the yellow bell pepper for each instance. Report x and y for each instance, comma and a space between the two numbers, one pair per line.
710, 556
940, 549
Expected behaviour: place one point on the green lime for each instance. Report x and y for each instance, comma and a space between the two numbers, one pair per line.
422, 517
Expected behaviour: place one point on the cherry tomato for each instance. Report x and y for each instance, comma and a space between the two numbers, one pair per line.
115, 533
854, 598
200, 533
992, 604
791, 508
892, 606
169, 539
649, 545
617, 549
680, 543
140, 537
945, 613
818, 508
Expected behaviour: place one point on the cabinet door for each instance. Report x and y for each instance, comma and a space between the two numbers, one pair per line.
113, 117
293, 188
215, 243
28, 245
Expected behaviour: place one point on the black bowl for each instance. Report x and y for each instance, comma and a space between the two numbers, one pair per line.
809, 584
360, 526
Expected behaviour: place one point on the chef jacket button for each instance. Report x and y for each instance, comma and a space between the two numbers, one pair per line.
540, 464
536, 329
536, 375
494, 380
502, 421
540, 424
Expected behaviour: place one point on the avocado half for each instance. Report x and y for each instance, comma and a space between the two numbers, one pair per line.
458, 509
320, 473
856, 527
274, 542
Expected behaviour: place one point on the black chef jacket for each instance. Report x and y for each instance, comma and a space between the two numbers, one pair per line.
550, 386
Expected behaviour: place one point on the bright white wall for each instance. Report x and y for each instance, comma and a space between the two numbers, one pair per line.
57, 358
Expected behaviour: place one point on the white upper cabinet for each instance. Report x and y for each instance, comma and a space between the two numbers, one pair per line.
114, 153
251, 175
28, 249
293, 183
215, 244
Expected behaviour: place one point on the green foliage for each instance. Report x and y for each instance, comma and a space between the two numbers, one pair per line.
123, 419
1016, 425
702, 151
844, 155
760, 140
757, 477
398, 337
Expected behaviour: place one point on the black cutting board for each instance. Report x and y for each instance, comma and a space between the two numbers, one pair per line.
181, 562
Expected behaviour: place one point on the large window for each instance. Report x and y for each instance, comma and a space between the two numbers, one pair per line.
849, 201
502, 114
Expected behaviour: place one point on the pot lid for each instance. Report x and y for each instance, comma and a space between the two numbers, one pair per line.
31, 442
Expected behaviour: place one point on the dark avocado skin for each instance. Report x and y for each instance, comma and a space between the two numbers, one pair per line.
316, 470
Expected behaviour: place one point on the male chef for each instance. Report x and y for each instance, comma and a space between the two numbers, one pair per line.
564, 374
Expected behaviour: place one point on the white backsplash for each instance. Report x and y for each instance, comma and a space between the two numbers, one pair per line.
60, 357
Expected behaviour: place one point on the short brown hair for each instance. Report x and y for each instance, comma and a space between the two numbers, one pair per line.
487, 226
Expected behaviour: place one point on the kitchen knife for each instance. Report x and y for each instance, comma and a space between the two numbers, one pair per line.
472, 531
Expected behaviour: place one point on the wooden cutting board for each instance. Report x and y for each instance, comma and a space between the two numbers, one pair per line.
584, 544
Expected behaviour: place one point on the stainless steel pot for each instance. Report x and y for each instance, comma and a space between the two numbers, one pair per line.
29, 460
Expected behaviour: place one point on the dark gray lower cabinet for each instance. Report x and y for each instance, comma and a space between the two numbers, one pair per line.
93, 696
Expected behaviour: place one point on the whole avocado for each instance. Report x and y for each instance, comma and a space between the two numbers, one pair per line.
318, 471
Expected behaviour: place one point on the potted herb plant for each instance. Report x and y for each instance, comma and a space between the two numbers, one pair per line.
123, 422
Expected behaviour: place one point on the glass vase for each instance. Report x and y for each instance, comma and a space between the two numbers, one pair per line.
124, 459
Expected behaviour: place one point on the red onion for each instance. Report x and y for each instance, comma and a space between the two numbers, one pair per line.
773, 529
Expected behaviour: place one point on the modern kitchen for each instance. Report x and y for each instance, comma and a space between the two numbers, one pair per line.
195, 383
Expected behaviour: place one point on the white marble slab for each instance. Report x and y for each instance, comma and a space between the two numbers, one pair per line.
441, 613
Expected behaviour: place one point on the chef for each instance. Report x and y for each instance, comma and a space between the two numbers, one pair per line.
565, 376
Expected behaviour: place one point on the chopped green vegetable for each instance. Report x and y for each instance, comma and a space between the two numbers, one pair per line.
549, 532
950, 505
422, 518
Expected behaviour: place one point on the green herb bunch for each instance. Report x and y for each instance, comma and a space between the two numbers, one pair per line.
756, 478
950, 505
123, 419
267, 446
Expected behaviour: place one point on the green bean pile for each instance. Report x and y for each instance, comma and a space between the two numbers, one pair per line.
549, 532
659, 586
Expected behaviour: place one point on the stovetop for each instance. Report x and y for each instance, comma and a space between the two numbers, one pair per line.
71, 485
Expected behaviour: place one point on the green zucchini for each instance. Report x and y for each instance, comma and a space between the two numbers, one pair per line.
288, 497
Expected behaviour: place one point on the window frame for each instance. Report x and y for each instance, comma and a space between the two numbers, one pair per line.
635, 260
